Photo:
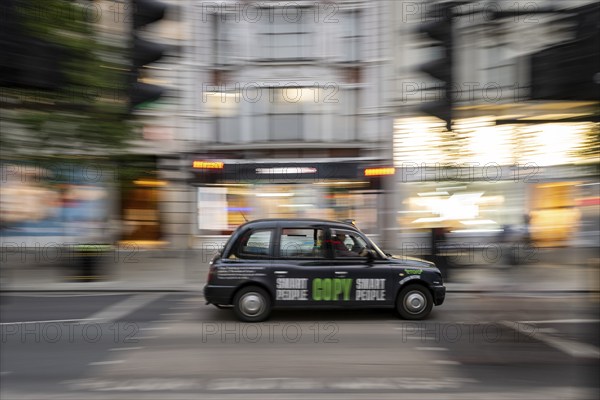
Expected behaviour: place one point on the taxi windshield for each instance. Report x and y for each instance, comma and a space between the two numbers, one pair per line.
354, 237
375, 247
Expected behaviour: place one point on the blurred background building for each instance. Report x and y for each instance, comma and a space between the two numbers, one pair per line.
478, 118
283, 109
519, 83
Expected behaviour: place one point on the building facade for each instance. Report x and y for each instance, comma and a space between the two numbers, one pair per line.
508, 162
281, 108
278, 108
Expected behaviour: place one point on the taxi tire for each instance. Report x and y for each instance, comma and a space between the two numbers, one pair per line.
260, 294
422, 293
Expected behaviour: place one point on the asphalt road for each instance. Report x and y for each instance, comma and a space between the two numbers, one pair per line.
172, 345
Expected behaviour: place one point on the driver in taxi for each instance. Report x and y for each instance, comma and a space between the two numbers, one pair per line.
339, 246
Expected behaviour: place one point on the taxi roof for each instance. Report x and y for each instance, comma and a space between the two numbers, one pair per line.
268, 222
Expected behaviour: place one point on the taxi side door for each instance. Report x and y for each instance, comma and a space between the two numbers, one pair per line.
369, 279
301, 265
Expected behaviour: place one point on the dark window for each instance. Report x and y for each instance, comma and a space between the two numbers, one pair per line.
255, 244
302, 243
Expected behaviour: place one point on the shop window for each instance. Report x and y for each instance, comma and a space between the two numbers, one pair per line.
212, 208
140, 211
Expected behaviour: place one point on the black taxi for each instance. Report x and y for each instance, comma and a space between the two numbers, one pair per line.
316, 263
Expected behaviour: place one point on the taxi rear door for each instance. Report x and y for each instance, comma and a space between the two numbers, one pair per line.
301, 263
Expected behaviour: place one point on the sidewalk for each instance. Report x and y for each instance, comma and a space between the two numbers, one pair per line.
168, 270
146, 270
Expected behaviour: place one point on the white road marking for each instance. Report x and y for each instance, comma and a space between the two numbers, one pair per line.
49, 321
416, 328
125, 307
142, 337
432, 348
59, 295
135, 385
159, 321
173, 314
154, 328
4, 373
216, 386
107, 362
126, 348
546, 330
445, 362
198, 299
131, 387
572, 348
464, 296
245, 384
562, 321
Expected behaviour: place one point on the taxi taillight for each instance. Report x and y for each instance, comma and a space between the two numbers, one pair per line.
211, 272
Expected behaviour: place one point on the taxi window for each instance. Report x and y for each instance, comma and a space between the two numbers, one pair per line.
302, 243
255, 244
347, 243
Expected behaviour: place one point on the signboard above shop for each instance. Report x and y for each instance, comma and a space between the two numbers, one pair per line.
209, 170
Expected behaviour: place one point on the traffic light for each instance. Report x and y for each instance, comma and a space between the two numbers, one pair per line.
144, 52
25, 61
439, 29
570, 70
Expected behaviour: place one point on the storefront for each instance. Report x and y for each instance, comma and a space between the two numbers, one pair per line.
229, 192
140, 200
482, 180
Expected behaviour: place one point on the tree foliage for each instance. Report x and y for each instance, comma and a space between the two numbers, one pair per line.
88, 113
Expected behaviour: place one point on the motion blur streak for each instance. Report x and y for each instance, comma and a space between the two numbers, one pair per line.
137, 135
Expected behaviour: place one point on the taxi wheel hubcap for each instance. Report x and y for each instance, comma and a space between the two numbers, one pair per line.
415, 302
252, 304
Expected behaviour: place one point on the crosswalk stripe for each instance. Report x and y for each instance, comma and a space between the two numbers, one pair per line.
126, 348
49, 321
235, 384
572, 348
432, 348
125, 307
562, 321
107, 362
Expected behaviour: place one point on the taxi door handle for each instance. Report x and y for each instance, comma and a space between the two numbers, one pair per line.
341, 272
281, 272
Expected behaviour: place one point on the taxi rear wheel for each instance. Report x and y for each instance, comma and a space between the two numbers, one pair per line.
252, 304
414, 302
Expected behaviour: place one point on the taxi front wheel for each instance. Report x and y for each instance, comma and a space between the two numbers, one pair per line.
252, 304
414, 302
